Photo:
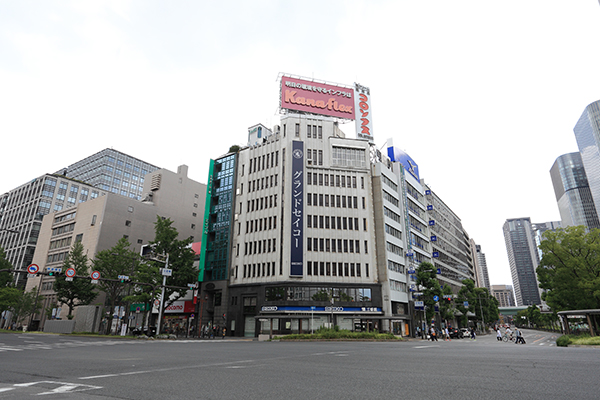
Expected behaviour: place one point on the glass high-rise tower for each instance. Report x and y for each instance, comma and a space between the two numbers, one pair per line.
572, 191
587, 133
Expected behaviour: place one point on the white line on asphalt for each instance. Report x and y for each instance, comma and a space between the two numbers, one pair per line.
425, 347
6, 389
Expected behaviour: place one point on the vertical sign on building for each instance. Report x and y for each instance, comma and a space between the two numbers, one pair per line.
297, 209
204, 244
364, 116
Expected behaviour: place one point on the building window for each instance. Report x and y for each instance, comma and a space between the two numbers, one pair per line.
127, 223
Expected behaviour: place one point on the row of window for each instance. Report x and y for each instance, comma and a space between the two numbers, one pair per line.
316, 131
65, 217
259, 246
397, 286
314, 157
259, 184
56, 244
265, 161
307, 293
323, 268
338, 201
56, 257
63, 229
259, 270
340, 223
333, 180
262, 203
258, 225
335, 245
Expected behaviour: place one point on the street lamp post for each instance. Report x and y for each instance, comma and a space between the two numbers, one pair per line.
162, 296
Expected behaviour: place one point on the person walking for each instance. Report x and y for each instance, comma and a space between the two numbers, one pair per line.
433, 334
473, 336
519, 334
447, 334
498, 335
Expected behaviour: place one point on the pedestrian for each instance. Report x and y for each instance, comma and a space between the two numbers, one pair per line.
447, 334
433, 334
473, 336
519, 334
498, 335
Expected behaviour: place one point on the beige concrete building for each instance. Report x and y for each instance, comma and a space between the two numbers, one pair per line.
504, 294
101, 222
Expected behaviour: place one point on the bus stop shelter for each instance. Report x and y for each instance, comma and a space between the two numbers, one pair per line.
591, 316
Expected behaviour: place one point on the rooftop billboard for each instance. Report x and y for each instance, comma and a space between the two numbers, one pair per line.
317, 98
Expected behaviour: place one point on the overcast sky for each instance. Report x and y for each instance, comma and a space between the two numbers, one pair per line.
483, 95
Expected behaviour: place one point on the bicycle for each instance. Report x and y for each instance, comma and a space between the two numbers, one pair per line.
507, 337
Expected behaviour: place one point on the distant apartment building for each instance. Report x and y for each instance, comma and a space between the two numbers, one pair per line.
572, 191
504, 295
400, 218
22, 211
451, 245
523, 259
99, 223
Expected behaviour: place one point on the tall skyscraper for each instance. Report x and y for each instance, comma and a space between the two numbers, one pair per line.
587, 133
523, 260
482, 278
575, 202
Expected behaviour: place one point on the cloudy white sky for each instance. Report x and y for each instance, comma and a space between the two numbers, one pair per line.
482, 94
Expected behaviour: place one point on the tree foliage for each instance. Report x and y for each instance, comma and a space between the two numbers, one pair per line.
27, 304
78, 292
110, 263
570, 268
481, 303
5, 277
181, 259
428, 284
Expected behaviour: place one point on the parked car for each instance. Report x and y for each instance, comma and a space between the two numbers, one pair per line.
466, 332
455, 333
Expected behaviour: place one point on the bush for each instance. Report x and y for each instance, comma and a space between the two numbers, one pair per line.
563, 341
336, 333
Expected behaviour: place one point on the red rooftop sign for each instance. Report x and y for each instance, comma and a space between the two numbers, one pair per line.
317, 98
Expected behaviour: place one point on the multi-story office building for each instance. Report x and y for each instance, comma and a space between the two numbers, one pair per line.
523, 258
451, 246
400, 218
587, 133
573, 195
23, 209
112, 171
482, 278
504, 295
302, 248
98, 224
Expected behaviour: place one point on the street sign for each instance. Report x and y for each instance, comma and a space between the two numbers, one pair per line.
53, 269
96, 275
167, 272
124, 277
436, 298
33, 269
70, 273
466, 304
419, 303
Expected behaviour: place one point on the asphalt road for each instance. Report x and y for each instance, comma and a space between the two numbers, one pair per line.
69, 367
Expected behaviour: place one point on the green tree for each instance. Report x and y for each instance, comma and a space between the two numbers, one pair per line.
5, 276
428, 284
181, 261
27, 304
570, 268
78, 292
466, 294
118, 260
